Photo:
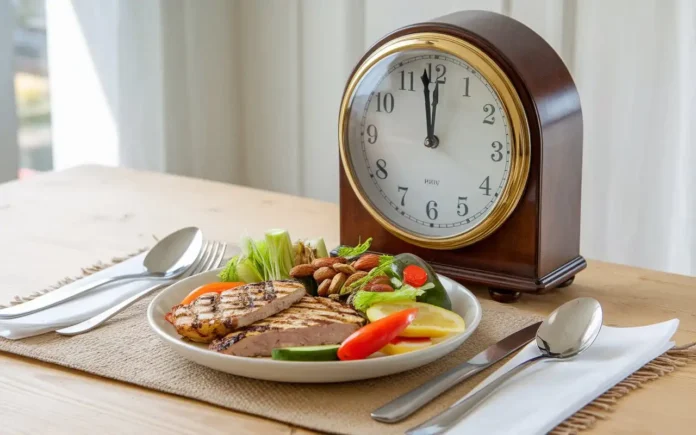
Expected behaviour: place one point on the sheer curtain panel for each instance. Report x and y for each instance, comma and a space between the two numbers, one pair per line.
248, 92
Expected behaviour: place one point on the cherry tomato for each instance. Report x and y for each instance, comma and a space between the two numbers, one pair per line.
213, 287
415, 275
371, 338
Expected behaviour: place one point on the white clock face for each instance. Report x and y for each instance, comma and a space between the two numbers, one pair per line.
429, 143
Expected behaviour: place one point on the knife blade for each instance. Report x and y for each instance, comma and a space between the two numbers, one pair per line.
407, 404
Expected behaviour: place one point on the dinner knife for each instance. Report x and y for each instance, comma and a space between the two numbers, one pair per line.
407, 404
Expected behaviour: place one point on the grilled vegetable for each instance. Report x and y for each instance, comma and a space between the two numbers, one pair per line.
327, 352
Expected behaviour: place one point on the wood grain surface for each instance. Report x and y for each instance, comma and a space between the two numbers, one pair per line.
53, 224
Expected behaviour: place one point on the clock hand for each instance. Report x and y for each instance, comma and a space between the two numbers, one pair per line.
434, 141
426, 93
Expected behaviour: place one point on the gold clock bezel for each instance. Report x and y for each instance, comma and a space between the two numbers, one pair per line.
512, 105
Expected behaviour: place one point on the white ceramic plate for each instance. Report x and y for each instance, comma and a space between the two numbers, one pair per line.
463, 302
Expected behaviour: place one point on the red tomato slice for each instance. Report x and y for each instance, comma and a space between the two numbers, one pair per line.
371, 338
415, 275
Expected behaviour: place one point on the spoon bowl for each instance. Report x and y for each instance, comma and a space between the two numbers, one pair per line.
570, 329
173, 254
567, 332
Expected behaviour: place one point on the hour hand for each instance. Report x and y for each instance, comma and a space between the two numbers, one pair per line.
426, 93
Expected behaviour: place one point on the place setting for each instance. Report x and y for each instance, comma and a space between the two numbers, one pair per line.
391, 343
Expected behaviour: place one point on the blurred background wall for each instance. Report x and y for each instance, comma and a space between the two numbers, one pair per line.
247, 92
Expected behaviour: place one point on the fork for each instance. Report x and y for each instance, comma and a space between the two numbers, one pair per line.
210, 257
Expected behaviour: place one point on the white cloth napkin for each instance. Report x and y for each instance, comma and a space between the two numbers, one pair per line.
542, 396
84, 307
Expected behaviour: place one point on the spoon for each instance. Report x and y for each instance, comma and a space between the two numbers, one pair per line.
568, 331
168, 259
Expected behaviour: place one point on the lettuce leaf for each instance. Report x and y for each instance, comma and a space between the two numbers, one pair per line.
229, 273
364, 300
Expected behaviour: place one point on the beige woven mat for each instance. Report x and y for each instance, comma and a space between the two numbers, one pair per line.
125, 349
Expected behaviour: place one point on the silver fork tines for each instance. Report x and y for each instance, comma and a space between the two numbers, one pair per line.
210, 257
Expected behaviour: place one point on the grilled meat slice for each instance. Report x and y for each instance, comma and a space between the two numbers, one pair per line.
310, 322
215, 315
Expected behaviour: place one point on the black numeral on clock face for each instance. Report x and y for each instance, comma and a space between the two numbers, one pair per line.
489, 119
371, 134
404, 74
431, 210
485, 186
403, 197
466, 87
497, 151
387, 103
462, 208
440, 70
382, 169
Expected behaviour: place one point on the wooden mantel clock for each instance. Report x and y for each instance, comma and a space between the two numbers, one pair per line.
461, 141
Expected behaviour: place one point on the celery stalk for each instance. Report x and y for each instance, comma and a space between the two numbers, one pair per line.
279, 254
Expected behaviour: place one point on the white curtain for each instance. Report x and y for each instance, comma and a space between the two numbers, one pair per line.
9, 153
248, 92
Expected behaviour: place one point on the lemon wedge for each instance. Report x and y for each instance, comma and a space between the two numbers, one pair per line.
405, 345
431, 321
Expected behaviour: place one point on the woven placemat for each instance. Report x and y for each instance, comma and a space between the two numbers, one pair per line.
126, 349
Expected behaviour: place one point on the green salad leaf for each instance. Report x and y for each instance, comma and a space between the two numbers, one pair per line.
347, 251
364, 300
229, 273
247, 271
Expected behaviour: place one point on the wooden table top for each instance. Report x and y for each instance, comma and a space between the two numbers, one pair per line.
53, 224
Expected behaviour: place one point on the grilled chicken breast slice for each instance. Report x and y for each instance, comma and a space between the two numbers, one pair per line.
215, 315
310, 322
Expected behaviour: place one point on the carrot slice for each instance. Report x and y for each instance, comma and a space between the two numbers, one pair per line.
213, 287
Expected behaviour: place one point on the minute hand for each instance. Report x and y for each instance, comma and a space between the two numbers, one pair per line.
426, 92
436, 99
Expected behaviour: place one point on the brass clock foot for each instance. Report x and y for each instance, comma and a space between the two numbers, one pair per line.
504, 296
568, 282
